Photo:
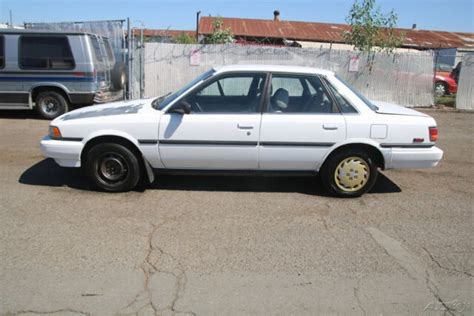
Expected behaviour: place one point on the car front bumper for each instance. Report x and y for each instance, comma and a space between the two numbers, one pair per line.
66, 153
414, 158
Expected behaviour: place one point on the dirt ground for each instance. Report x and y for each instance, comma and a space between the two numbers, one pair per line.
207, 245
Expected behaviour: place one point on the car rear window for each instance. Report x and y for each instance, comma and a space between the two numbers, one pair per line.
41, 52
369, 104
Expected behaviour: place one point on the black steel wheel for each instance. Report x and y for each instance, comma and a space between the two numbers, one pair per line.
51, 104
113, 167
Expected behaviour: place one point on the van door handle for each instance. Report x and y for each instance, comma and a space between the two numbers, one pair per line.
239, 126
330, 127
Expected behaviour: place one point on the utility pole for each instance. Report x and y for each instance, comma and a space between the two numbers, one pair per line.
129, 61
197, 26
11, 19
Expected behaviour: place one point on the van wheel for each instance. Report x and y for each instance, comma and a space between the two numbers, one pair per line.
50, 104
113, 167
119, 76
349, 174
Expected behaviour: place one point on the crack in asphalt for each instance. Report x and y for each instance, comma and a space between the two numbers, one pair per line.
435, 292
410, 263
443, 267
63, 310
356, 295
150, 267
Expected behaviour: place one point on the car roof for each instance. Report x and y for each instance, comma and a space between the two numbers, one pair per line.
273, 68
45, 32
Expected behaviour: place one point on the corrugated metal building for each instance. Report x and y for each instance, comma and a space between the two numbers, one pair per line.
276, 31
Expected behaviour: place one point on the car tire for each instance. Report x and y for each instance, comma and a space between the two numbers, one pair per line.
51, 104
441, 89
113, 167
349, 173
119, 76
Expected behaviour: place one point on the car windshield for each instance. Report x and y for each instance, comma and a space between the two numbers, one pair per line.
161, 102
372, 106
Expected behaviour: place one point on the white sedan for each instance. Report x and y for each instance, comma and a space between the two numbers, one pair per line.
242, 118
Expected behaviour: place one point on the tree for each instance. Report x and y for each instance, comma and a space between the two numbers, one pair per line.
220, 35
371, 30
184, 38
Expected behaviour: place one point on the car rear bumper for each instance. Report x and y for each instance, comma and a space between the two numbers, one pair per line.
66, 153
414, 158
104, 96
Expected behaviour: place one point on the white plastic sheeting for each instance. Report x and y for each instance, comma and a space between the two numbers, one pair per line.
113, 30
465, 95
405, 79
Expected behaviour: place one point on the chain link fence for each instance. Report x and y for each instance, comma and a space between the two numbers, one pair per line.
405, 79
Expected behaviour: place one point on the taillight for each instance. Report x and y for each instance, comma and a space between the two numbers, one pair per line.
433, 133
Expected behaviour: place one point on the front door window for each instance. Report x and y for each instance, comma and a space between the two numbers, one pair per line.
238, 93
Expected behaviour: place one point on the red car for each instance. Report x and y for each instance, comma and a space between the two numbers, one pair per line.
444, 80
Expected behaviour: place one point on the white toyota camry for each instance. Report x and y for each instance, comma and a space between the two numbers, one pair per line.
241, 118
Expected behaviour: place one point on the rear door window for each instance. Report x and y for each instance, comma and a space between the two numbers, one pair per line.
41, 52
2, 52
108, 50
290, 93
96, 47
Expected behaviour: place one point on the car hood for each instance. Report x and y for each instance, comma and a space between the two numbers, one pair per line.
394, 109
108, 109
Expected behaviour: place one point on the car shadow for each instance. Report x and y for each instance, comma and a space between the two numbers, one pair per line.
48, 173
20, 114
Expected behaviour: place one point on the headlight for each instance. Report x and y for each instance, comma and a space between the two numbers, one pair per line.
54, 132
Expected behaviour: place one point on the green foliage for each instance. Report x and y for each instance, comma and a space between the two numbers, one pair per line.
371, 30
220, 35
184, 38
447, 100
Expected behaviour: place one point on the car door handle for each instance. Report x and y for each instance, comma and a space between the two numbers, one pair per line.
330, 127
239, 126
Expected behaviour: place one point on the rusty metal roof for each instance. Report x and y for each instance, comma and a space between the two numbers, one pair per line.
331, 32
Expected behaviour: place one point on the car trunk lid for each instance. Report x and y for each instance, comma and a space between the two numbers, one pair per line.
394, 109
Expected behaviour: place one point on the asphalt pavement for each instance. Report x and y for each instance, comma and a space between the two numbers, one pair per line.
220, 245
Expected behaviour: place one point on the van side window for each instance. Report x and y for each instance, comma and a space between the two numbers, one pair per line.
41, 52
96, 46
108, 50
2, 52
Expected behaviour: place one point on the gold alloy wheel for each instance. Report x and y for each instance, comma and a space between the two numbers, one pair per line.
352, 174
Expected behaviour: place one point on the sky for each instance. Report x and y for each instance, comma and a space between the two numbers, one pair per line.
446, 15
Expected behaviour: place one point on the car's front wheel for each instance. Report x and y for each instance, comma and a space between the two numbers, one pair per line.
349, 173
113, 167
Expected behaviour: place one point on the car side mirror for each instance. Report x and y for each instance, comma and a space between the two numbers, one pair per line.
182, 107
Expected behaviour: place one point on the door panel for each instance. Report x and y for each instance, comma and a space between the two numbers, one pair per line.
300, 124
209, 141
298, 142
221, 132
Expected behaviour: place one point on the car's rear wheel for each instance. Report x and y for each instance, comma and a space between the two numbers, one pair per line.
349, 173
51, 104
440, 89
113, 167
